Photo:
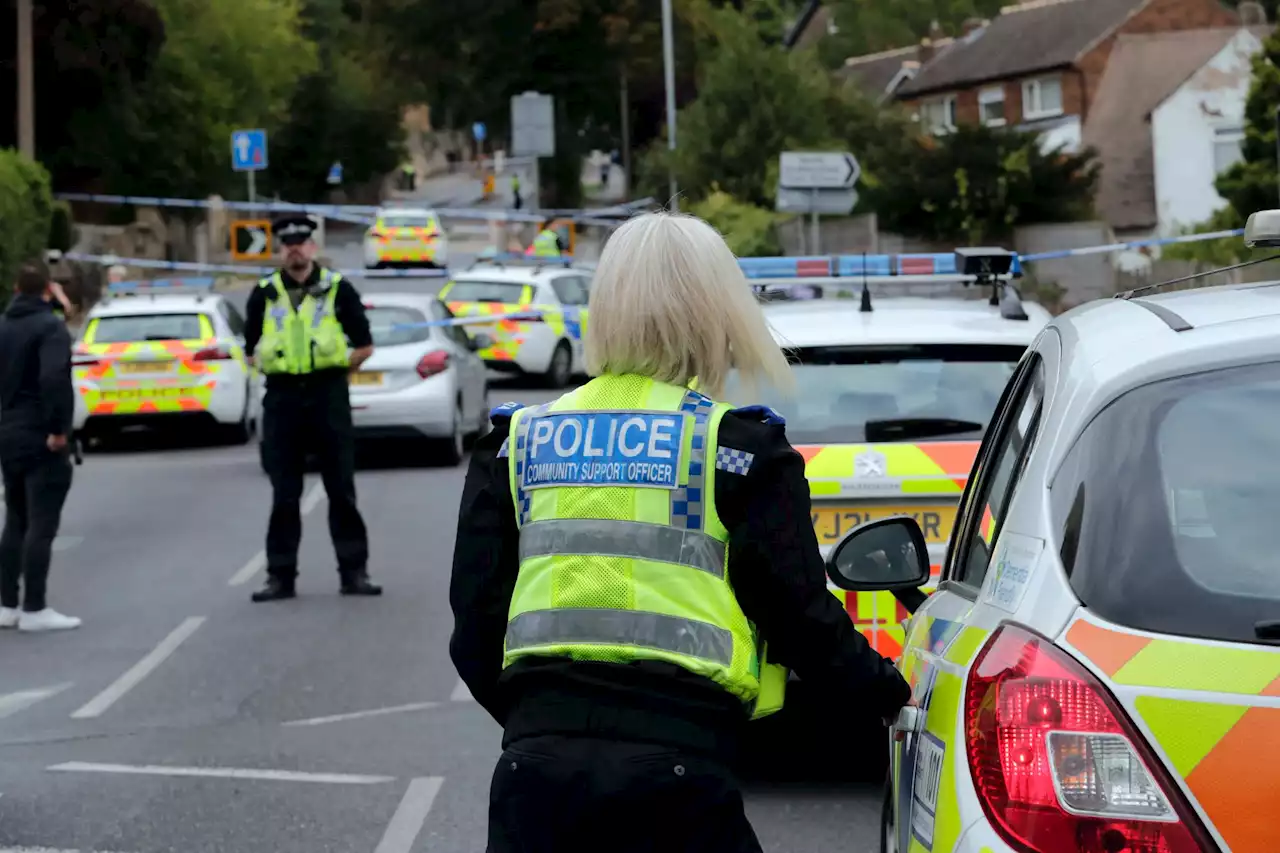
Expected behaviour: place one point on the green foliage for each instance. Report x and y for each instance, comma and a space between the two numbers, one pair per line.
979, 183
1250, 184
62, 232
1214, 253
26, 209
749, 230
867, 26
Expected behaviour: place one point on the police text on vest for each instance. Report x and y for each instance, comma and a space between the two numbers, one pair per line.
604, 448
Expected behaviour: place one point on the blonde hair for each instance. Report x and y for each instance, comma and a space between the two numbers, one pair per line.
669, 302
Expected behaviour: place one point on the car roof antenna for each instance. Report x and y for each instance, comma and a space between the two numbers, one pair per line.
866, 292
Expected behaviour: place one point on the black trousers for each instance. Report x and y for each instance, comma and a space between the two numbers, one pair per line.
558, 794
35, 489
311, 415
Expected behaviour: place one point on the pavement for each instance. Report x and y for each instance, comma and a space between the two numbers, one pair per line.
183, 717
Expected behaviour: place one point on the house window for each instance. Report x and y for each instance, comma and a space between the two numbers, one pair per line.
991, 106
1226, 147
1042, 98
939, 114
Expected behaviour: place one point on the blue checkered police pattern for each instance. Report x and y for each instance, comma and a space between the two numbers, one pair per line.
734, 461
523, 501
686, 502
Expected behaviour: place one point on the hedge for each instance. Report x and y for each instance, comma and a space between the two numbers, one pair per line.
26, 214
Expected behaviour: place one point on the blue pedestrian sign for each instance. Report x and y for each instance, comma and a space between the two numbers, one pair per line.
335, 172
249, 150
478, 130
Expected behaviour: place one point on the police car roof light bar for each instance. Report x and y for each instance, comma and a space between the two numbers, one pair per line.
161, 286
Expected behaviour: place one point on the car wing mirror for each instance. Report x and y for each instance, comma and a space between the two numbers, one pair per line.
480, 341
888, 554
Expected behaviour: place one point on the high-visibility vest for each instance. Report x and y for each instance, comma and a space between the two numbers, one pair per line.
622, 555
545, 245
297, 341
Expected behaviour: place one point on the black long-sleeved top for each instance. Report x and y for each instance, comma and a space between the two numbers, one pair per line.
348, 306
778, 578
36, 395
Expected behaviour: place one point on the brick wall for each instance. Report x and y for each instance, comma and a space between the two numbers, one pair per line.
1073, 97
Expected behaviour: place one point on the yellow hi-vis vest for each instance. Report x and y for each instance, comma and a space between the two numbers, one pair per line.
300, 341
622, 555
545, 244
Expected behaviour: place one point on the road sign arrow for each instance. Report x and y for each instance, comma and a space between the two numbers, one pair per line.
257, 241
855, 170
12, 703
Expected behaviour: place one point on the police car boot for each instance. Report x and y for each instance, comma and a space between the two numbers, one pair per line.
275, 589
358, 583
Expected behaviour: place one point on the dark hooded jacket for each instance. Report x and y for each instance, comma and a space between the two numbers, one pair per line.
36, 396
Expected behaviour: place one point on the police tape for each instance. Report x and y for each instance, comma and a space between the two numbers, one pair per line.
360, 213
1133, 244
242, 269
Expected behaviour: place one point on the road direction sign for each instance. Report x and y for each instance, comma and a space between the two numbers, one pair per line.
533, 125
251, 240
807, 170
249, 150
335, 173
479, 131
830, 202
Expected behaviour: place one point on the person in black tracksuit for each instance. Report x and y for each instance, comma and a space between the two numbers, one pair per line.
36, 408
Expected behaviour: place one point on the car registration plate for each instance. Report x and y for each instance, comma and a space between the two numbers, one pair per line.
366, 378
144, 366
833, 523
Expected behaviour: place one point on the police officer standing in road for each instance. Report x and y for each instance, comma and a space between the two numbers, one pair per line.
299, 321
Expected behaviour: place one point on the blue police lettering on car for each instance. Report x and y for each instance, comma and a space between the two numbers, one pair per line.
763, 414
634, 449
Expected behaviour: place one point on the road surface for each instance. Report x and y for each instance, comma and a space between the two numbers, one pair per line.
182, 717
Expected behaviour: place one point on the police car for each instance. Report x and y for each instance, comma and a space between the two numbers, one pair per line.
406, 236
1099, 669
548, 298
161, 353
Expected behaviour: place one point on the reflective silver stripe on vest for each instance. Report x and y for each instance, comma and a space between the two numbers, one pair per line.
574, 626
630, 539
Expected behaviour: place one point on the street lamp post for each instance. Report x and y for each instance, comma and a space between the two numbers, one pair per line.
669, 66
26, 82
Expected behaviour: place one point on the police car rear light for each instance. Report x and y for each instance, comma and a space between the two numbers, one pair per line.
212, 354
433, 363
1058, 766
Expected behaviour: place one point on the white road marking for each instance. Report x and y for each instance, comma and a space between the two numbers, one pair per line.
133, 677
256, 563
356, 715
461, 693
223, 773
66, 543
312, 497
12, 703
45, 850
410, 815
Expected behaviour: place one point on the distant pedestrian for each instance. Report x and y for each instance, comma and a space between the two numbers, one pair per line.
36, 406
516, 201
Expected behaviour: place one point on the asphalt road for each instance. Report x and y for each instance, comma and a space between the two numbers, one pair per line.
182, 717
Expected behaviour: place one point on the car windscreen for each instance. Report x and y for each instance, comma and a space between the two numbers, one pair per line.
147, 327
473, 290
839, 389
1165, 506
407, 220
393, 325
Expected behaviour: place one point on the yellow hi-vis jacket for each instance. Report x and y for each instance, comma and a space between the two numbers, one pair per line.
302, 340
545, 245
622, 555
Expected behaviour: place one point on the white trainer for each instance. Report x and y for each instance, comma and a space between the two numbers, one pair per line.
46, 620
8, 617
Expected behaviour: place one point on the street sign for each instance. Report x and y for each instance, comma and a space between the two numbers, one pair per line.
807, 170
335, 173
830, 202
251, 240
249, 150
478, 130
533, 125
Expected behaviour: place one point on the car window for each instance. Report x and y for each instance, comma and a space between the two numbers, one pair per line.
393, 325
406, 220
840, 389
570, 290
998, 471
472, 290
124, 328
457, 334
233, 317
1164, 506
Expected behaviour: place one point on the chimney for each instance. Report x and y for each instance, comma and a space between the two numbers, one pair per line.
925, 51
1251, 14
970, 25
935, 32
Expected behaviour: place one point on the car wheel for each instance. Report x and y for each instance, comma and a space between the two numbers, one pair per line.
888, 829
561, 369
451, 448
240, 433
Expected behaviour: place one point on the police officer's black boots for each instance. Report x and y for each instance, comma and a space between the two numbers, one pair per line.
275, 589
358, 583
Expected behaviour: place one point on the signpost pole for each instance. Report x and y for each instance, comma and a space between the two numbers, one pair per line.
669, 66
252, 187
813, 222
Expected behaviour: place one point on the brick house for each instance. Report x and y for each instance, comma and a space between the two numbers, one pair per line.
1038, 65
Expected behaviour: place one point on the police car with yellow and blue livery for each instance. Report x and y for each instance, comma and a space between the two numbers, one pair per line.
539, 306
164, 353
1099, 668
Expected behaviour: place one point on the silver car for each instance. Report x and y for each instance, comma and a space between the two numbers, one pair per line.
422, 380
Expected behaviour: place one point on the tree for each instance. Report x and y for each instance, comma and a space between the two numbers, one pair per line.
867, 26
747, 229
1250, 184
979, 183
26, 209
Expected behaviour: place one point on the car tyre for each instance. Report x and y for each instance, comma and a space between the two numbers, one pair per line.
451, 448
560, 372
888, 829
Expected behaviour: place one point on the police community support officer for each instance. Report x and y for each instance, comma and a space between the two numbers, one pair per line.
635, 566
298, 324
